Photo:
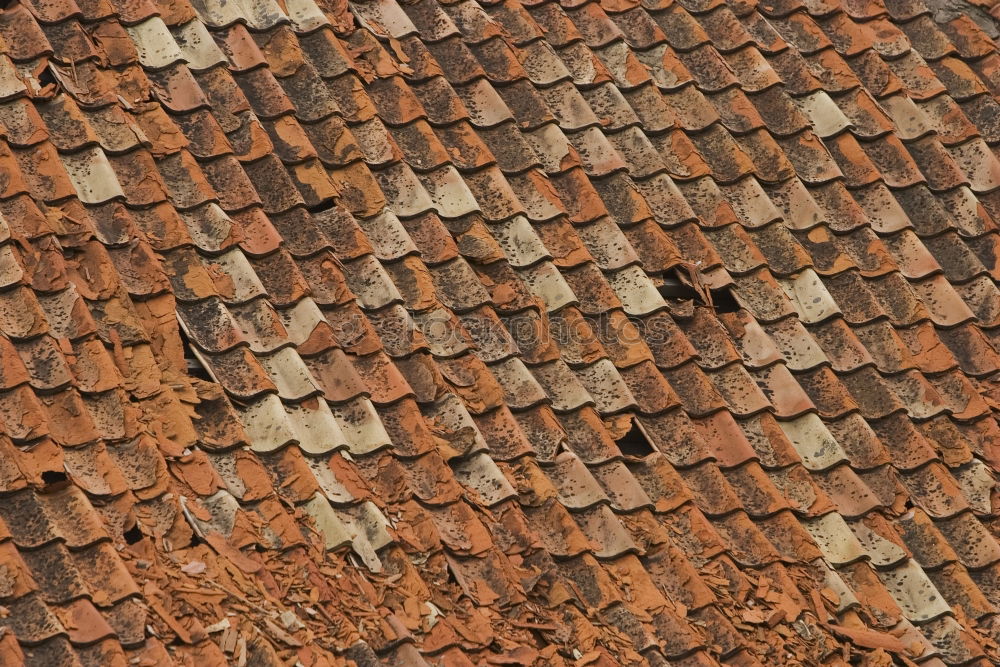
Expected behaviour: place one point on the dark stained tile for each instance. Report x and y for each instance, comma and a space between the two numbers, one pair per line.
650, 309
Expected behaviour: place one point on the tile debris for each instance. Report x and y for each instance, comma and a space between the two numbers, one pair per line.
454, 332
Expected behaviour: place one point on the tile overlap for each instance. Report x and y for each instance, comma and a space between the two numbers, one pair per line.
440, 332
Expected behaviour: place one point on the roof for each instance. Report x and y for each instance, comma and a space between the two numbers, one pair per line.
581, 332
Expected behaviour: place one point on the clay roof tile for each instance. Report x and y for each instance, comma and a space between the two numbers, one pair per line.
635, 305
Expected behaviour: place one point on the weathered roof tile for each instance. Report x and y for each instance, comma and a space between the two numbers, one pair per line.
453, 287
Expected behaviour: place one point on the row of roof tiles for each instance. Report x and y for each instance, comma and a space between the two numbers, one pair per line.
322, 381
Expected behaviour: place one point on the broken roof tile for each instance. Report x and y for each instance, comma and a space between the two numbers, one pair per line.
460, 284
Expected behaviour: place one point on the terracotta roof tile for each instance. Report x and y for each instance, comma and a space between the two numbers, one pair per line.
615, 317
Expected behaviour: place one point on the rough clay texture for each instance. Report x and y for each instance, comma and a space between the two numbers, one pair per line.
520, 332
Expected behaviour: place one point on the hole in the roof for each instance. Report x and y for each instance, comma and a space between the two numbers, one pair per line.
133, 534
46, 77
191, 360
675, 288
635, 443
724, 301
51, 478
324, 205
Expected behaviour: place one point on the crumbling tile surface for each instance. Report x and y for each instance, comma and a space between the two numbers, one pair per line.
436, 332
